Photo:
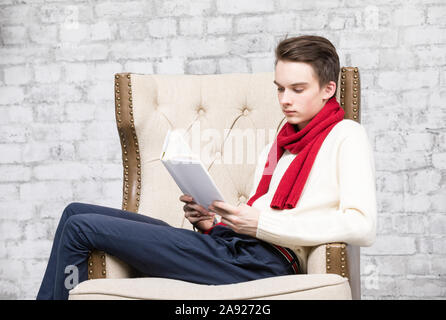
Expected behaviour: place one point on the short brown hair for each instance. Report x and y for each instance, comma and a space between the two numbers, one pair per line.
317, 51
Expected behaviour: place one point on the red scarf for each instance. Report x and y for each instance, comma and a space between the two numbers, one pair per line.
306, 144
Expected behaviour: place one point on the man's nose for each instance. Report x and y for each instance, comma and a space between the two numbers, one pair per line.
285, 98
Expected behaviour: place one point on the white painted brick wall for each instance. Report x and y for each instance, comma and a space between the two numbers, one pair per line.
58, 137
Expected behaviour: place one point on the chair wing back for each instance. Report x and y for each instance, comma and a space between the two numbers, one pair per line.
226, 118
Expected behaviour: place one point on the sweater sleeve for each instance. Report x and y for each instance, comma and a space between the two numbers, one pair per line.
354, 221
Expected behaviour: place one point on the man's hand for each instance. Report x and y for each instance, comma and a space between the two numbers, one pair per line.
197, 215
242, 219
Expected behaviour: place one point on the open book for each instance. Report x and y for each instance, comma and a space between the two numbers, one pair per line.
187, 170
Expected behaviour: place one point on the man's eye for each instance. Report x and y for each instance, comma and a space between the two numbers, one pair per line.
280, 89
298, 91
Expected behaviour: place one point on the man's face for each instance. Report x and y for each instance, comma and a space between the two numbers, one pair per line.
298, 91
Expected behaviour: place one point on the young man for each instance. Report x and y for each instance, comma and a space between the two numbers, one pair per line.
288, 209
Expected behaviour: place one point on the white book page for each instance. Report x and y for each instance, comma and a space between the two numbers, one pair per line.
188, 171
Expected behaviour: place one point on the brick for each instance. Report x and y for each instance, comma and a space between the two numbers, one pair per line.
203, 66
237, 7
417, 203
389, 266
391, 58
420, 287
424, 181
367, 39
10, 230
408, 16
278, 23
253, 24
182, 46
17, 14
27, 249
16, 55
11, 153
390, 142
133, 30
390, 181
401, 245
411, 79
46, 190
11, 95
251, 43
112, 190
161, 28
431, 56
15, 114
84, 52
315, 21
438, 266
75, 112
54, 13
170, 66
419, 141
99, 150
103, 30
15, 173
438, 201
43, 34
437, 224
423, 35
17, 75
47, 73
12, 209
365, 60
262, 64
138, 67
191, 26
436, 14
13, 35
390, 202
62, 171
101, 90
174, 8
43, 151
409, 223
77, 33
219, 25
75, 72
119, 10
147, 49
231, 65
105, 71
87, 191
439, 160
418, 264
14, 133
308, 5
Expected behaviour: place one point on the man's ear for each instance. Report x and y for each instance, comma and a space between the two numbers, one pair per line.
329, 90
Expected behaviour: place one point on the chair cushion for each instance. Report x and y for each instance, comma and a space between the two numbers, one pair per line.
302, 286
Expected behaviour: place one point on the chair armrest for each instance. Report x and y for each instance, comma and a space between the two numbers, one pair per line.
329, 258
103, 265
338, 258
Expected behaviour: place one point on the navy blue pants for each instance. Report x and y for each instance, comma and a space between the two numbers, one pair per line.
153, 248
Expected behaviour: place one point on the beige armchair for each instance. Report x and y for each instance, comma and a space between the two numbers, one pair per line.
146, 106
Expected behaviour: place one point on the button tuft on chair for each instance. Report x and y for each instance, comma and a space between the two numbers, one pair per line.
245, 112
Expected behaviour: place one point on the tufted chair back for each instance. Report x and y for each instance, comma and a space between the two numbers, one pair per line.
227, 119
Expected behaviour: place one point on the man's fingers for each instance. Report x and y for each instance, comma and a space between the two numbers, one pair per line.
186, 198
224, 207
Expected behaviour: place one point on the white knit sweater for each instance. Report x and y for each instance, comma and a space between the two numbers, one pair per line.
338, 202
